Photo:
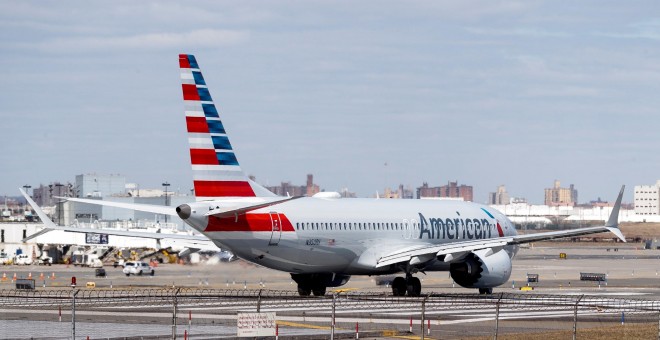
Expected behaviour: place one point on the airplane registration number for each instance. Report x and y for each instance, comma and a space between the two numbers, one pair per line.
313, 242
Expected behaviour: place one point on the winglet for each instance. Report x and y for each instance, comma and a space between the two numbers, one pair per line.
44, 218
613, 222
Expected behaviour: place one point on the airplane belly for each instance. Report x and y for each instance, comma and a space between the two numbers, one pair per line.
287, 255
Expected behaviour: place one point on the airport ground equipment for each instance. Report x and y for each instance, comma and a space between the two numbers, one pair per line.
600, 277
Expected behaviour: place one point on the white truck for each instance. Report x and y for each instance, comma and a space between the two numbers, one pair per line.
4, 258
23, 259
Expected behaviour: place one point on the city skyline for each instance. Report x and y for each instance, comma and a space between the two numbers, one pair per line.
309, 188
363, 95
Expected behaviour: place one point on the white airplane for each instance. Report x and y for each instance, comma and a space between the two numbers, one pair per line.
324, 239
182, 243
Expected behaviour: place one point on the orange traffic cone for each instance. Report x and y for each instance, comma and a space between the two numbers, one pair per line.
14, 278
4, 277
41, 276
52, 277
29, 276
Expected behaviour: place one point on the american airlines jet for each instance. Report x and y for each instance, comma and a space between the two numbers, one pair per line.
323, 240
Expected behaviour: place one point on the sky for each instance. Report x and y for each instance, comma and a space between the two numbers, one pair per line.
364, 95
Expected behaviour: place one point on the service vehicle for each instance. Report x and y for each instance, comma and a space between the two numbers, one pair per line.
138, 268
23, 259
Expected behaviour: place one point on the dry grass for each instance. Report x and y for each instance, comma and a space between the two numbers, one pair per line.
628, 331
643, 230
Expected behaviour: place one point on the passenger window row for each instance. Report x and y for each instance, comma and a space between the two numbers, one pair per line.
348, 226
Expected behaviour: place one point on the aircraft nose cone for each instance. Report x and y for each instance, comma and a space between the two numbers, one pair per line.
183, 211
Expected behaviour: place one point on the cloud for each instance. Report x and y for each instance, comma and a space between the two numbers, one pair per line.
642, 30
519, 32
197, 38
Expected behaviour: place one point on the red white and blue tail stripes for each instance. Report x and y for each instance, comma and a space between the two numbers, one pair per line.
216, 172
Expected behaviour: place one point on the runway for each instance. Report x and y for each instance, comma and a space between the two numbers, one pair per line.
631, 277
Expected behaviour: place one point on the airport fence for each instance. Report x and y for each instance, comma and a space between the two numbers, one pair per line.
190, 313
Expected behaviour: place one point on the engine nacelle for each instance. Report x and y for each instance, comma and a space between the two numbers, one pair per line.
482, 269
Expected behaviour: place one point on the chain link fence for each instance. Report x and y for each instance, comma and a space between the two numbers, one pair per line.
189, 313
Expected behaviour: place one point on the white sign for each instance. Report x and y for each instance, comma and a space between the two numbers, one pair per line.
256, 324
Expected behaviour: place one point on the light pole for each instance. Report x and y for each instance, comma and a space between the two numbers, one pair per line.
27, 188
167, 203
59, 203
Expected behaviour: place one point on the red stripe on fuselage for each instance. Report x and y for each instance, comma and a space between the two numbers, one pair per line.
203, 157
197, 125
247, 222
499, 229
190, 92
223, 189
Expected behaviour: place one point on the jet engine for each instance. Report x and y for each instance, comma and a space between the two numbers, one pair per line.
482, 269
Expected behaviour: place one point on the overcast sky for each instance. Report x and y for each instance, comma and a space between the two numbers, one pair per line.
484, 92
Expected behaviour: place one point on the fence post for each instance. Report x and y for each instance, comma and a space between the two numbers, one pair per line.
174, 311
659, 325
575, 310
259, 302
423, 314
332, 322
73, 314
497, 315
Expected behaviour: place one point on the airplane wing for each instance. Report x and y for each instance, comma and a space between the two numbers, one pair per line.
50, 225
457, 250
156, 209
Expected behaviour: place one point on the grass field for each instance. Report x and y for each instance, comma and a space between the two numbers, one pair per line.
627, 331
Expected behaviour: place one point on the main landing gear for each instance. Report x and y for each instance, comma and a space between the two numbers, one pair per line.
318, 283
483, 291
410, 286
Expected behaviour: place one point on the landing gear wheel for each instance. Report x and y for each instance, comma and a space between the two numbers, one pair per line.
399, 286
486, 291
414, 287
304, 291
319, 291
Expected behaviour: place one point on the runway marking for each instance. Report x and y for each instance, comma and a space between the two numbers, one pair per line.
302, 325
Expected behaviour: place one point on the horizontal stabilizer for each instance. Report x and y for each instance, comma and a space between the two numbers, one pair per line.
231, 211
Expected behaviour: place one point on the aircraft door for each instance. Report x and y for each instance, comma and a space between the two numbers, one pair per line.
276, 233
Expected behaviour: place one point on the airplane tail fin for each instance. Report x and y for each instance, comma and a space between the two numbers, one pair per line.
216, 172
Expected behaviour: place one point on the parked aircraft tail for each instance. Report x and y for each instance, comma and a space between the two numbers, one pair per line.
216, 171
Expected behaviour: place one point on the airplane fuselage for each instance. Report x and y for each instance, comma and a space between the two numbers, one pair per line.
348, 236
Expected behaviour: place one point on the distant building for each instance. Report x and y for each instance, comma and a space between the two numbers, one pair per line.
44, 195
311, 188
500, 197
347, 194
646, 199
288, 189
557, 195
399, 193
93, 185
451, 190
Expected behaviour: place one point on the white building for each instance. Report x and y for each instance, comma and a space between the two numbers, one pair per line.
646, 199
